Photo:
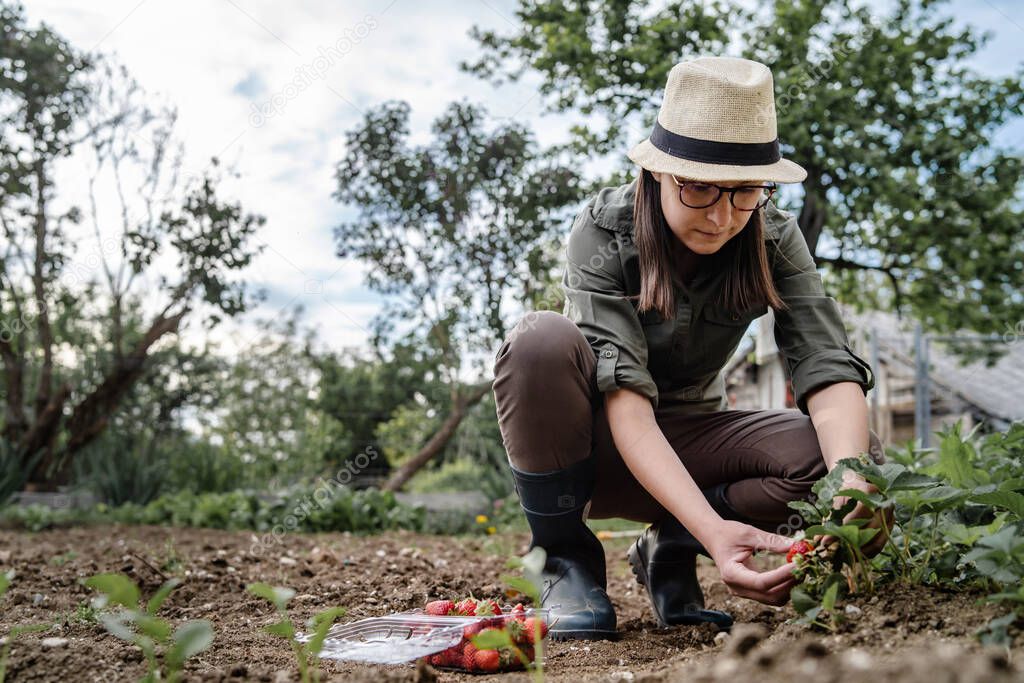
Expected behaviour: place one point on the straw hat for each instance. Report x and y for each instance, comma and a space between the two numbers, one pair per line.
717, 123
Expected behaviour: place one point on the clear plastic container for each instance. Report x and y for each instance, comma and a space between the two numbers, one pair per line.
407, 636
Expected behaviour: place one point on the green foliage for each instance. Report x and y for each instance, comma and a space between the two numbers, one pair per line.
865, 97
957, 524
264, 427
530, 585
463, 475
358, 394
317, 507
159, 641
306, 648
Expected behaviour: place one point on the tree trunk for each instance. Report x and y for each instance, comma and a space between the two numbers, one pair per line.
437, 442
812, 218
90, 417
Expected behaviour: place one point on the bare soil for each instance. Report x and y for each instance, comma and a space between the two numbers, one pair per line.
901, 634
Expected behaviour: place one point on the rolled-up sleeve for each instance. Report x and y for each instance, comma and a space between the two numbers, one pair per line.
810, 333
595, 299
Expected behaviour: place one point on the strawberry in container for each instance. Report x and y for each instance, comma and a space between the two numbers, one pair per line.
469, 635
497, 640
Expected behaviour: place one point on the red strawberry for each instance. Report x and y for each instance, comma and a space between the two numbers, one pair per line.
801, 547
469, 657
487, 660
487, 608
515, 630
443, 658
530, 626
466, 608
439, 608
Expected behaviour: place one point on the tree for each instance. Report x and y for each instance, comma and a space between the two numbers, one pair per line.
454, 232
56, 100
908, 203
360, 392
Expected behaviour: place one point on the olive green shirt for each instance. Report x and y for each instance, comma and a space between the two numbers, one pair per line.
679, 362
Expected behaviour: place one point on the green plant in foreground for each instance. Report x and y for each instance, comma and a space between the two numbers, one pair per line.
5, 583
958, 523
532, 564
121, 616
307, 650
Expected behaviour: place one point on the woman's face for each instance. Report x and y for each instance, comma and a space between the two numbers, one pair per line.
703, 231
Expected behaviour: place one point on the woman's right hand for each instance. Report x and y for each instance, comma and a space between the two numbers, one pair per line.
732, 548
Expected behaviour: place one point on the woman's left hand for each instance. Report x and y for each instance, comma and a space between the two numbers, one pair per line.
880, 519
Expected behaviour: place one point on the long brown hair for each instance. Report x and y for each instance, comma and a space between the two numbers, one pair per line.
748, 283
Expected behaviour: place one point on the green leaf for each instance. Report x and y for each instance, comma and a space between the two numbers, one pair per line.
321, 623
866, 535
26, 628
492, 639
5, 582
190, 639
158, 598
873, 501
828, 601
955, 462
283, 628
802, 602
157, 629
117, 625
524, 586
118, 589
1008, 500
279, 596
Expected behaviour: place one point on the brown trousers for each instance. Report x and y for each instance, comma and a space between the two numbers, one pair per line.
551, 415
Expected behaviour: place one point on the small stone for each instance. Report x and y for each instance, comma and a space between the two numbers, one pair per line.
858, 659
53, 643
726, 667
289, 561
38, 599
852, 611
721, 637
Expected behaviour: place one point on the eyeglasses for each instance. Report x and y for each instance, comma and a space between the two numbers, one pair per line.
700, 195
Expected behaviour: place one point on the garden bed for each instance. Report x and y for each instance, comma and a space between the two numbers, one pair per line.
906, 634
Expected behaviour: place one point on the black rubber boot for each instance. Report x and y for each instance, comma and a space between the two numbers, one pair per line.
664, 559
574, 577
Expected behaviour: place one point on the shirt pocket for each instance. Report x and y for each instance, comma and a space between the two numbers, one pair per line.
719, 333
658, 334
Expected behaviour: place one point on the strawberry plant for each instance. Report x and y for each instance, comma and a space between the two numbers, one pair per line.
958, 522
121, 616
306, 649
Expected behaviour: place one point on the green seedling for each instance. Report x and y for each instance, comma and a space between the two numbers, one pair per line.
529, 584
118, 605
12, 635
307, 651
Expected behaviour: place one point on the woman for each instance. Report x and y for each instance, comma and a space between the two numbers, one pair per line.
617, 408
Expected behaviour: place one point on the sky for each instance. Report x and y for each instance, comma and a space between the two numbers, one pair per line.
271, 88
